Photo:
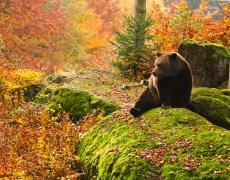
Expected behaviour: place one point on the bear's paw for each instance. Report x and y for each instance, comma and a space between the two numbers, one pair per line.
165, 106
135, 112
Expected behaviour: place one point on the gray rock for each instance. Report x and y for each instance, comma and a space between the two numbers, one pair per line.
32, 91
61, 77
209, 62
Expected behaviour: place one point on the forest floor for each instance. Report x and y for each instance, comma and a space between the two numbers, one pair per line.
32, 147
105, 85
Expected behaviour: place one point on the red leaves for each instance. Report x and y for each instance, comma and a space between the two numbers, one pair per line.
157, 155
154, 155
173, 159
195, 128
190, 164
185, 143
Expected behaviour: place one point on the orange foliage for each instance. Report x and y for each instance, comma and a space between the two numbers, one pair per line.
41, 34
219, 31
99, 54
178, 22
28, 29
98, 58
108, 11
33, 145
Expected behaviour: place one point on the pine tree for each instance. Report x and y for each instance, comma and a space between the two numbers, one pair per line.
133, 48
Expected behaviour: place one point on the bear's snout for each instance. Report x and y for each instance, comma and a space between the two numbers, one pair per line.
154, 73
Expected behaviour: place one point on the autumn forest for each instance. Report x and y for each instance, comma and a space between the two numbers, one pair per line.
41, 37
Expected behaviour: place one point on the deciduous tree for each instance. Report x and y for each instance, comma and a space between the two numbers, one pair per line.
109, 12
179, 22
28, 29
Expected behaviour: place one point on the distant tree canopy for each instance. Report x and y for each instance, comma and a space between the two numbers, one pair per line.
49, 35
41, 34
28, 31
181, 22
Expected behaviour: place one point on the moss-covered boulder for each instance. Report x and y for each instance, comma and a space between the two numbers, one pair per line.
209, 62
162, 144
77, 103
213, 104
60, 77
44, 95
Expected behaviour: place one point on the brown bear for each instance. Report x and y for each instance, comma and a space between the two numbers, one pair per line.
170, 85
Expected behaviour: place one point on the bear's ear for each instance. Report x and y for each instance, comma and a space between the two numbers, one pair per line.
173, 56
159, 54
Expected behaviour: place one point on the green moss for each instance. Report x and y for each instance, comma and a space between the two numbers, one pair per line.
43, 96
78, 103
50, 77
213, 104
223, 85
110, 149
213, 50
226, 92
207, 43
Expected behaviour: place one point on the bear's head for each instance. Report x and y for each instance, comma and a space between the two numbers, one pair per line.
166, 65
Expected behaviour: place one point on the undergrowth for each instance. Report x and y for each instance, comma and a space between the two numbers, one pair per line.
35, 145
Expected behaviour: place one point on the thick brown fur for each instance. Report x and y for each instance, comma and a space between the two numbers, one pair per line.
170, 85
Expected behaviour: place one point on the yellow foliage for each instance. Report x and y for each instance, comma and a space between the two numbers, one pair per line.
127, 7
82, 31
14, 83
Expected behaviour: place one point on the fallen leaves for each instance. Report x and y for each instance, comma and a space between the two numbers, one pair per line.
154, 155
223, 158
190, 163
173, 159
185, 143
180, 146
195, 128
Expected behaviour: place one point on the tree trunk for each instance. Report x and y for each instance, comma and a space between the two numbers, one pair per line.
139, 9
139, 16
229, 77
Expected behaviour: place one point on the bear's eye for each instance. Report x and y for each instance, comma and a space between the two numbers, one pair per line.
159, 65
